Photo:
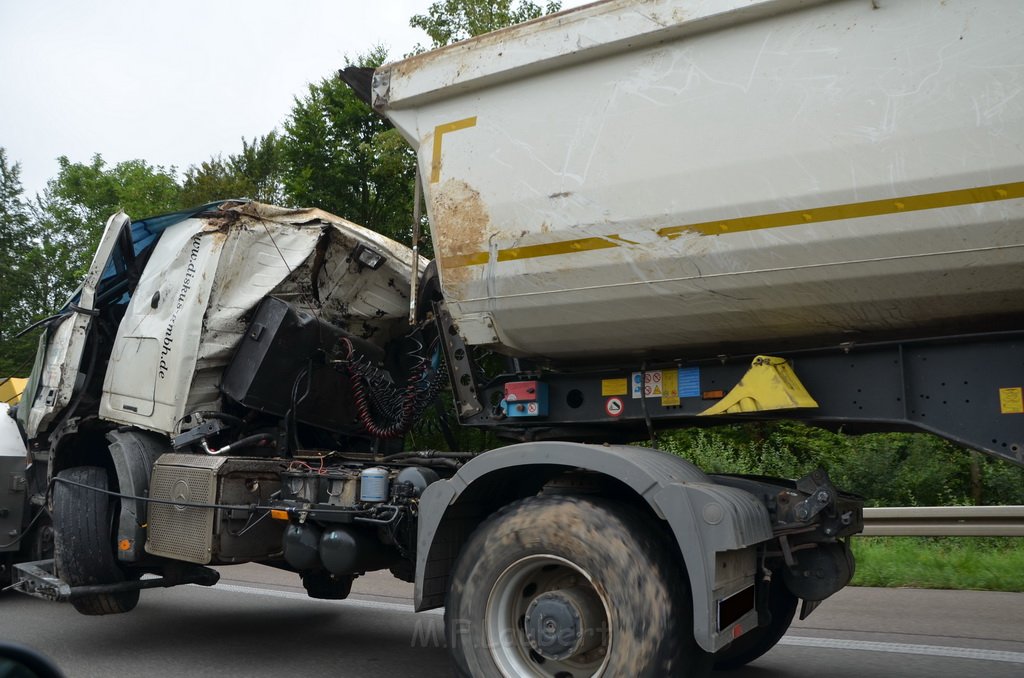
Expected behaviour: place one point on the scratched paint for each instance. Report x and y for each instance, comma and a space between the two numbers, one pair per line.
613, 141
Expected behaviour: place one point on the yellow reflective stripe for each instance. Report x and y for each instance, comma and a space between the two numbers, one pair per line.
532, 251
563, 247
460, 260
439, 132
857, 210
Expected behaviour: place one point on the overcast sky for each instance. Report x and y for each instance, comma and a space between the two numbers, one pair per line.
171, 82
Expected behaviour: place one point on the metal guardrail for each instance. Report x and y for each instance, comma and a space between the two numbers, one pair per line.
945, 521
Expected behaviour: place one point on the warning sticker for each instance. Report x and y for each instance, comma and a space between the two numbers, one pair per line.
613, 406
669, 385
670, 388
647, 384
614, 387
1011, 400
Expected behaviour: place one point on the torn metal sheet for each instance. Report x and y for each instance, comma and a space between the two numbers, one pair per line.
205, 277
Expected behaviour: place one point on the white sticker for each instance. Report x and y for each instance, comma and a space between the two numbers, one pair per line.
651, 382
613, 406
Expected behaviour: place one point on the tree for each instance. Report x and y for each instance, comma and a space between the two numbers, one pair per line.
342, 157
15, 279
257, 172
449, 21
211, 180
73, 210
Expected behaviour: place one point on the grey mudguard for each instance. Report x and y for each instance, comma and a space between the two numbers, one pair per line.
704, 517
134, 454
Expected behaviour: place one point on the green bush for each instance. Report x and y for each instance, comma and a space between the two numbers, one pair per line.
888, 469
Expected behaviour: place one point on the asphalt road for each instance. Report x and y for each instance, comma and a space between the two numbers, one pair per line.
257, 622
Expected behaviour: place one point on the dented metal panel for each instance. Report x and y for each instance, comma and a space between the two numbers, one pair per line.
207, 274
636, 178
59, 373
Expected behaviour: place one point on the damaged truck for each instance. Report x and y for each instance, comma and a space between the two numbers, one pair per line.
645, 216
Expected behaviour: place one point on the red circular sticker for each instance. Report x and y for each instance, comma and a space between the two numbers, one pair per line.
613, 406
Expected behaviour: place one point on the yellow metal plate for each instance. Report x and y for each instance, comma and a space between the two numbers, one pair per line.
614, 387
669, 388
1011, 400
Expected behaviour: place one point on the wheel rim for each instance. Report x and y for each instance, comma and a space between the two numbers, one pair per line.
546, 618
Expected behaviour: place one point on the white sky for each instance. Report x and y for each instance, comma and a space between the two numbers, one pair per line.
172, 82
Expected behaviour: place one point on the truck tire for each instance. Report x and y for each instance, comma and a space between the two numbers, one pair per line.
754, 643
558, 585
84, 540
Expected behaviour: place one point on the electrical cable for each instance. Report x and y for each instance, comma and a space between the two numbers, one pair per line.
25, 531
383, 409
186, 504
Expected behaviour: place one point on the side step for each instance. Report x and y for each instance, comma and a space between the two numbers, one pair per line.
38, 579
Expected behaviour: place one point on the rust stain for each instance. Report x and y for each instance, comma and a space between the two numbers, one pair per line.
461, 225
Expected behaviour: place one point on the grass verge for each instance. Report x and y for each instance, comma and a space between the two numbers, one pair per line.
982, 563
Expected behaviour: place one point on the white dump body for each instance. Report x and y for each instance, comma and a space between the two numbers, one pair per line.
681, 176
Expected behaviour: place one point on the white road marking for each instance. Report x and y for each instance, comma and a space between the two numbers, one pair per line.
798, 641
292, 595
905, 648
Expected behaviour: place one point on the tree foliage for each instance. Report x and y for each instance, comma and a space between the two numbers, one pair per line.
889, 469
15, 271
256, 172
211, 180
448, 21
342, 157
74, 208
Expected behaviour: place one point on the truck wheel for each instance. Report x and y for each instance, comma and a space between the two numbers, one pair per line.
754, 643
84, 540
555, 586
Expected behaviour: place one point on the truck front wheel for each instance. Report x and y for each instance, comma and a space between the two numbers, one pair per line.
558, 585
83, 535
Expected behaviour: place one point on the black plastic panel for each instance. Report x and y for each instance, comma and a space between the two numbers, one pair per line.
286, 352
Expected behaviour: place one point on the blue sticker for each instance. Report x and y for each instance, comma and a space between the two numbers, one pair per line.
689, 382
